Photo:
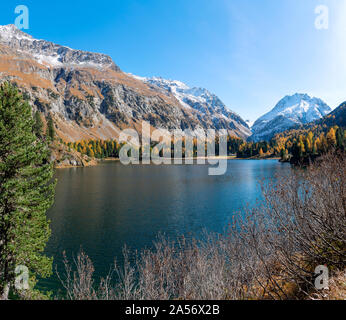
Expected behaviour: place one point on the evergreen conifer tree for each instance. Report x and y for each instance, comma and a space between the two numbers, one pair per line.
50, 129
38, 125
26, 192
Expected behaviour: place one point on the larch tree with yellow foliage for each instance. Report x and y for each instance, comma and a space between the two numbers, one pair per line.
331, 138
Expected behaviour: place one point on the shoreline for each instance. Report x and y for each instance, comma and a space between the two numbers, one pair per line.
85, 164
209, 158
97, 162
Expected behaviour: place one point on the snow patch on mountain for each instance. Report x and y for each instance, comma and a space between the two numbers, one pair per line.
9, 32
164, 103
290, 111
200, 99
52, 54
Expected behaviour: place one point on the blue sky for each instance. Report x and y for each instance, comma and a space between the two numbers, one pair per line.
250, 53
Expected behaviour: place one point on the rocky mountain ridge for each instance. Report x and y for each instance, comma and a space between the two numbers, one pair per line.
51, 54
202, 100
289, 112
89, 97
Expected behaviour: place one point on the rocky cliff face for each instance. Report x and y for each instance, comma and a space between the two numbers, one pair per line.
88, 96
208, 105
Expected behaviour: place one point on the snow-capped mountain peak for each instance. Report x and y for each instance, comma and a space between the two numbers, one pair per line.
290, 111
201, 100
197, 98
9, 32
299, 105
89, 97
52, 54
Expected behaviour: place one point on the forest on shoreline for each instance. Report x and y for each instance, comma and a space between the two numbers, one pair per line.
296, 146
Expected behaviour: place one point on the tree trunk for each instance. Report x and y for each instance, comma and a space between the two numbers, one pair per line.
4, 294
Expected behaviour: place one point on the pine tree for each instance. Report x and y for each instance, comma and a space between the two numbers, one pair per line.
26, 192
295, 151
282, 153
99, 151
50, 129
38, 125
79, 147
340, 138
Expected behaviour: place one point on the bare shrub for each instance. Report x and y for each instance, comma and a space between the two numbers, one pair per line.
79, 284
307, 220
184, 270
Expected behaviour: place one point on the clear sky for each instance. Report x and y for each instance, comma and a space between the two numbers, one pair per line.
250, 53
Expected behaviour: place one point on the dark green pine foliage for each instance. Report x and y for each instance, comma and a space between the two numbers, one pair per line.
38, 125
340, 139
26, 192
50, 129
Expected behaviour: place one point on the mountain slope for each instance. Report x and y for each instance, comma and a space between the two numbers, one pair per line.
289, 112
336, 118
201, 100
51, 54
87, 94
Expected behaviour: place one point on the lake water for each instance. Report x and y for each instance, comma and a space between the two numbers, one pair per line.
103, 208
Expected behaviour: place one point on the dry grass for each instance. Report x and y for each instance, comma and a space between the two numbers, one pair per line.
336, 290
